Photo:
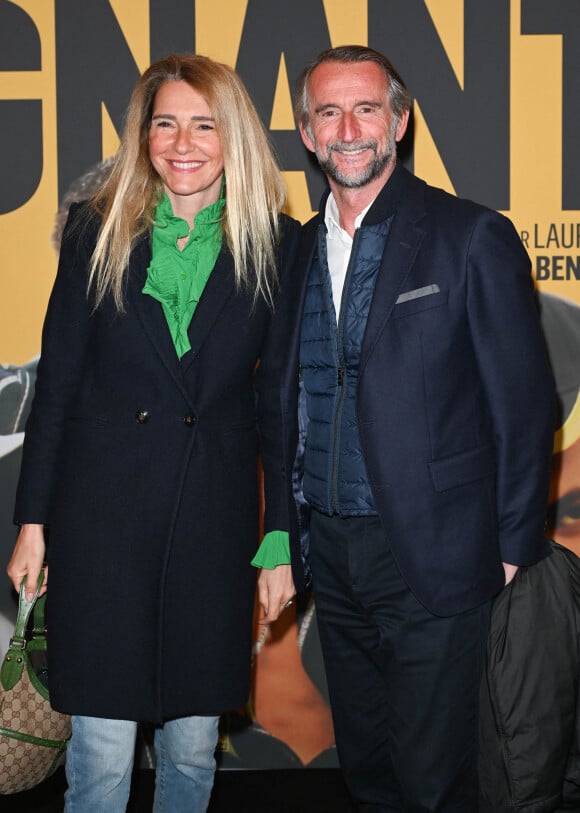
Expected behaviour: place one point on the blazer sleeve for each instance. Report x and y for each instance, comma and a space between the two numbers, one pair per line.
274, 420
65, 338
518, 383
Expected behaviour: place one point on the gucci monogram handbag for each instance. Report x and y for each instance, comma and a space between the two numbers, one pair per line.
33, 737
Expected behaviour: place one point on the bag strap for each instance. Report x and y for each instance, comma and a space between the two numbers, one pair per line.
13, 664
38, 625
24, 610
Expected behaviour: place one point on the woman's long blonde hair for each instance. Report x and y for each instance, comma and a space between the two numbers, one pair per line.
255, 191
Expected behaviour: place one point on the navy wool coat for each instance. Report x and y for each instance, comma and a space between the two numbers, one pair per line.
145, 470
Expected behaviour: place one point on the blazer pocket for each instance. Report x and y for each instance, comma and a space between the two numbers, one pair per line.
416, 304
463, 468
416, 293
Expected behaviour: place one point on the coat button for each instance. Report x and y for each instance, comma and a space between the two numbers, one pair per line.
189, 418
142, 416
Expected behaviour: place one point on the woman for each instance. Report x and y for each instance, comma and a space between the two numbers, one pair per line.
160, 369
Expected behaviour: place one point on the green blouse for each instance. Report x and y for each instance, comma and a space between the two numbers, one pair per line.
177, 278
274, 550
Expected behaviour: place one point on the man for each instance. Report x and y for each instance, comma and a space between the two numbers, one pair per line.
431, 418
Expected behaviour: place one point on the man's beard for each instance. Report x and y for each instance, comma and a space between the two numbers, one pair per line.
356, 179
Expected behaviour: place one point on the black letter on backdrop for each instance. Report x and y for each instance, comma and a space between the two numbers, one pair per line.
471, 127
21, 157
93, 65
297, 29
561, 17
172, 27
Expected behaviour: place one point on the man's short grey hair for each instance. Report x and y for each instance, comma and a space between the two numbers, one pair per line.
399, 98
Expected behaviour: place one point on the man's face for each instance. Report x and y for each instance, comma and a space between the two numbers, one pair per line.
351, 127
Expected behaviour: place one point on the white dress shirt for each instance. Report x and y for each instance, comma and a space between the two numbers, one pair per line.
338, 248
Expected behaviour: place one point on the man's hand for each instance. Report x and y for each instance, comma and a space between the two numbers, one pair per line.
510, 571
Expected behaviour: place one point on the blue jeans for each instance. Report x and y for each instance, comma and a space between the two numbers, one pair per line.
100, 757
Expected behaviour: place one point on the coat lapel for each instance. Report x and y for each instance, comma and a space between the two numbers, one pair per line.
218, 290
150, 313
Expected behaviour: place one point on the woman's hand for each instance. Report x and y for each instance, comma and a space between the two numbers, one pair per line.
275, 592
28, 559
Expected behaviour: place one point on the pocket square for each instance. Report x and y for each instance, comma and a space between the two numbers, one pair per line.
418, 292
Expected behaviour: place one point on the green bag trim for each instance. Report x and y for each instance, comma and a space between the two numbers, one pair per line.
29, 738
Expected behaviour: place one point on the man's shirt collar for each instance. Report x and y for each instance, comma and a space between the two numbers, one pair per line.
332, 218
378, 210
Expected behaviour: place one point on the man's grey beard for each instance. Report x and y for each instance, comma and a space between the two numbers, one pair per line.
364, 175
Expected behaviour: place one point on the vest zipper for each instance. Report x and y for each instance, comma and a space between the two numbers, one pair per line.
341, 381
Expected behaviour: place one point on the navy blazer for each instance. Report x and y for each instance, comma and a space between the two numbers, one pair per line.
455, 401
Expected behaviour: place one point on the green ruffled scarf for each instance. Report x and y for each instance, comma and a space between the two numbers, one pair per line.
177, 278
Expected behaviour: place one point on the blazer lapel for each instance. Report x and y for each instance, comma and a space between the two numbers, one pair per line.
403, 243
308, 243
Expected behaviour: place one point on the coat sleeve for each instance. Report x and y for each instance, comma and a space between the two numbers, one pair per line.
65, 338
518, 383
274, 420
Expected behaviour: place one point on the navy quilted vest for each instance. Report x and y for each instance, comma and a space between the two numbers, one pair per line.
335, 477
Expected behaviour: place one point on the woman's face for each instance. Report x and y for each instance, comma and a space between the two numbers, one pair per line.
184, 148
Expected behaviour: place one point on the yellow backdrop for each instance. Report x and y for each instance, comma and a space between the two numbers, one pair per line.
28, 261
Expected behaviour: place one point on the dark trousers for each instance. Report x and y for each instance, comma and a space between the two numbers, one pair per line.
403, 683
